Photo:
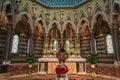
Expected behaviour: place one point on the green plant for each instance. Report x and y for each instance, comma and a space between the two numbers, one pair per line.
92, 59
30, 59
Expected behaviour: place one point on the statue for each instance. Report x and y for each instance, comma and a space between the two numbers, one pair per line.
84, 31
22, 27
38, 31
101, 26
3, 21
62, 55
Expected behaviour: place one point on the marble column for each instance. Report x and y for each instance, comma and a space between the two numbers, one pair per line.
31, 43
114, 32
92, 44
8, 40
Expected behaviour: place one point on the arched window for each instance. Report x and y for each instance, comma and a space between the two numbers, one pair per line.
109, 44
67, 45
15, 44
55, 45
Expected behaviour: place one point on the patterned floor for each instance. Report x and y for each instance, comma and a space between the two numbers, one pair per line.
70, 77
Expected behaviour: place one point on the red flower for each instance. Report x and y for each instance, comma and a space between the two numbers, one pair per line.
61, 69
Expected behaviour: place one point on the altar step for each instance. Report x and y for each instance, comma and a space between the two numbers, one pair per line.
70, 77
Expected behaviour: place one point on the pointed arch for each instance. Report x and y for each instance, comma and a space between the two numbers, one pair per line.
6, 3
83, 19
83, 13
71, 22
43, 21
58, 25
30, 21
93, 21
54, 15
98, 6
116, 8
115, 12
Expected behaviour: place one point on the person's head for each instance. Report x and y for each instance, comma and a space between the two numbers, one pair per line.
24, 18
4, 12
39, 24
84, 23
99, 18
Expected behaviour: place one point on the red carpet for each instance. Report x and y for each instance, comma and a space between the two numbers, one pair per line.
70, 77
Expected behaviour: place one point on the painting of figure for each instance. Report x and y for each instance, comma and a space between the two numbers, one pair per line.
38, 31
101, 26
84, 30
3, 21
22, 27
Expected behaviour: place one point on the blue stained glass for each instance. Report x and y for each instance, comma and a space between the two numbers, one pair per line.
61, 3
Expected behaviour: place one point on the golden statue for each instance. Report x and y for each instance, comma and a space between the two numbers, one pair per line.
38, 31
84, 31
3, 21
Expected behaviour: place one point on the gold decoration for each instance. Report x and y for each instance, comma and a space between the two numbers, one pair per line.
84, 37
22, 35
101, 34
71, 45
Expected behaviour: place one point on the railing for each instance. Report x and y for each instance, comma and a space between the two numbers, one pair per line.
61, 3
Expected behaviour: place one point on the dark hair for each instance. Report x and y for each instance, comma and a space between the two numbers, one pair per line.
25, 15
98, 17
40, 22
82, 22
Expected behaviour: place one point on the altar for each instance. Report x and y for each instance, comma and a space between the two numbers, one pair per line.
47, 65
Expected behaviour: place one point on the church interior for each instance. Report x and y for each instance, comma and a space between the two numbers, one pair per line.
38, 36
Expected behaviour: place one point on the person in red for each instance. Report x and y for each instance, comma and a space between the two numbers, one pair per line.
61, 69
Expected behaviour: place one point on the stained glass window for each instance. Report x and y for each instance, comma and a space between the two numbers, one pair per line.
67, 45
109, 44
55, 45
15, 44
61, 3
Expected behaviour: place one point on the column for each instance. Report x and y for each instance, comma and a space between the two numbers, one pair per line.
31, 43
8, 41
92, 44
114, 32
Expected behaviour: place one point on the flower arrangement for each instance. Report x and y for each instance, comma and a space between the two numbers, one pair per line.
61, 70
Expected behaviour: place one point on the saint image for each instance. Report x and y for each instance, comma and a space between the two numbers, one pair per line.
3, 20
84, 31
22, 27
101, 26
38, 31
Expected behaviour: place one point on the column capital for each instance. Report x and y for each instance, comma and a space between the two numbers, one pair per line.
114, 25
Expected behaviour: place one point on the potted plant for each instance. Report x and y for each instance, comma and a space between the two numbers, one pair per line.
30, 60
92, 59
